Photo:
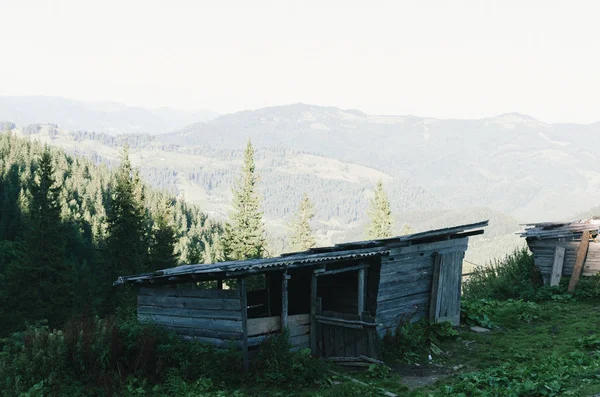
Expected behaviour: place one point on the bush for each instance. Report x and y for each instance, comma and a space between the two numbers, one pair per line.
276, 365
412, 340
93, 356
514, 277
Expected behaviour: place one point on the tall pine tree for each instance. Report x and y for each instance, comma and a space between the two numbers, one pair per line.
126, 243
380, 215
303, 236
244, 233
162, 243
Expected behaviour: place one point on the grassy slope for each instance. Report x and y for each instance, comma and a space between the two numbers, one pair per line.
522, 341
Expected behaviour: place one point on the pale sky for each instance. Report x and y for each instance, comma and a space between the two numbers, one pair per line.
445, 59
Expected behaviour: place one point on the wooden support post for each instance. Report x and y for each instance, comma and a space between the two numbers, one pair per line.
284, 300
268, 289
579, 260
244, 308
220, 284
557, 267
435, 286
313, 314
361, 291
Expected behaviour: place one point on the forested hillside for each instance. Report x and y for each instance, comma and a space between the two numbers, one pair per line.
511, 163
69, 227
341, 191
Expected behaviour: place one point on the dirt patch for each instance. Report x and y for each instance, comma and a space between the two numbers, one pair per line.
415, 377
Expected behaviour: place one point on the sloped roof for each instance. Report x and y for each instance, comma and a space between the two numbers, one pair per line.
312, 257
554, 230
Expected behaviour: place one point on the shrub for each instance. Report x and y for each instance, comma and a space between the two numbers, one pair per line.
514, 277
276, 365
411, 340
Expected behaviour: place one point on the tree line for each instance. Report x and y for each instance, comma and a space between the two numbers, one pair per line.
69, 228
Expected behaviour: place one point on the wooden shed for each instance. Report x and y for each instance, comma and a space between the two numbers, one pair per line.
560, 247
337, 300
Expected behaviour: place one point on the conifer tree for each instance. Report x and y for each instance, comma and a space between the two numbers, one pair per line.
380, 215
162, 245
126, 242
303, 236
244, 233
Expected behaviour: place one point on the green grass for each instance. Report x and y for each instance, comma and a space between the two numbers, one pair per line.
537, 349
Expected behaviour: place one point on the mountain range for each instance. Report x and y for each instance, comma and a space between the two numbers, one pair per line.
510, 168
108, 117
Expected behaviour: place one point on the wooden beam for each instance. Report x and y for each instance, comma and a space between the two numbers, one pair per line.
268, 288
244, 307
435, 286
284, 300
559, 260
579, 260
220, 284
313, 314
361, 291
341, 270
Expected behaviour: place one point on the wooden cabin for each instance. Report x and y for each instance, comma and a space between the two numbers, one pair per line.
556, 245
337, 301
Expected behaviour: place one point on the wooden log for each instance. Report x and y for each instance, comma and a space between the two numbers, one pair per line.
284, 300
193, 313
189, 303
581, 253
244, 308
191, 293
342, 322
219, 343
557, 267
207, 333
214, 324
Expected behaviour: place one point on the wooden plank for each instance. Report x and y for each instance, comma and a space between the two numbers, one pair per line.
581, 253
313, 314
298, 319
244, 309
557, 267
300, 330
435, 286
190, 293
361, 291
194, 313
189, 303
342, 270
214, 324
284, 300
264, 325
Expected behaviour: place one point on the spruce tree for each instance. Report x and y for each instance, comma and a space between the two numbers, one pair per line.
303, 237
162, 244
244, 233
48, 292
127, 227
380, 215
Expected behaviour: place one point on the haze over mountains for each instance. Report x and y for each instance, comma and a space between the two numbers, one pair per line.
108, 117
510, 168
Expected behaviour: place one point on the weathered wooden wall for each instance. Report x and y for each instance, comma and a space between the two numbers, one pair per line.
405, 282
259, 329
208, 316
544, 250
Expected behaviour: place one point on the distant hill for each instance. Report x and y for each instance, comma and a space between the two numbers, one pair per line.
108, 117
340, 190
511, 163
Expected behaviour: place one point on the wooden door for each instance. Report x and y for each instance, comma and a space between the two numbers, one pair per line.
446, 285
347, 335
